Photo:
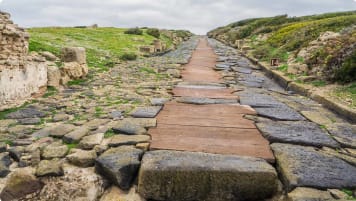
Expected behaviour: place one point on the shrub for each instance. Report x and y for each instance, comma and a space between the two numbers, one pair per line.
134, 31
153, 32
347, 72
128, 56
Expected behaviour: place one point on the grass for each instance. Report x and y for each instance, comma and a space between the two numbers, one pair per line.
104, 46
283, 68
11, 110
109, 133
51, 91
318, 83
98, 111
347, 93
76, 82
71, 146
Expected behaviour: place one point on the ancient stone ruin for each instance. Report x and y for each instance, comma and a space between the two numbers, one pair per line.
23, 74
20, 74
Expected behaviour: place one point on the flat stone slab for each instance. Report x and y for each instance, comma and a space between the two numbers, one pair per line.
343, 133
302, 166
120, 140
158, 101
300, 133
174, 175
29, 112
258, 100
282, 112
242, 70
217, 140
146, 112
204, 93
204, 101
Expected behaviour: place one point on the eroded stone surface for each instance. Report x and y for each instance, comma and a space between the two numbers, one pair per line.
300, 132
304, 166
343, 133
173, 175
120, 165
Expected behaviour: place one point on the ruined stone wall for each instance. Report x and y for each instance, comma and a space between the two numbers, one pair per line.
20, 74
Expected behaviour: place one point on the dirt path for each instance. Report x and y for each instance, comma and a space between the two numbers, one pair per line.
211, 128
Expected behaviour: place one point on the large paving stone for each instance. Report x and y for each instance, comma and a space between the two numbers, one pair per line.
299, 132
258, 100
119, 140
204, 101
282, 112
76, 135
120, 165
305, 167
343, 133
174, 175
317, 117
146, 112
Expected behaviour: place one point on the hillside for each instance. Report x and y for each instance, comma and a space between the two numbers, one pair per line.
104, 46
317, 50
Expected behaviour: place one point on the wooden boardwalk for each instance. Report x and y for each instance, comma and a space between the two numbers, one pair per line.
211, 128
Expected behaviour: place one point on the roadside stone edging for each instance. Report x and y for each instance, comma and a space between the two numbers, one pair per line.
288, 83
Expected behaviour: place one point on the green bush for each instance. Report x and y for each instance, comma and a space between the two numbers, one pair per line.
153, 32
347, 72
134, 31
128, 56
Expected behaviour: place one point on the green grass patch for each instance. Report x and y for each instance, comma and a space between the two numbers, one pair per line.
71, 146
283, 68
318, 83
51, 91
104, 46
148, 70
347, 92
11, 110
109, 133
76, 82
98, 111
9, 142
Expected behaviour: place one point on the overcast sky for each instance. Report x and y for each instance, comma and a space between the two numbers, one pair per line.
198, 16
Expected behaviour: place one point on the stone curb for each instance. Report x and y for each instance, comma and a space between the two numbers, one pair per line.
289, 84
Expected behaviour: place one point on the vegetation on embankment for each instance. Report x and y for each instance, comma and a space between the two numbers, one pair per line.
104, 46
318, 50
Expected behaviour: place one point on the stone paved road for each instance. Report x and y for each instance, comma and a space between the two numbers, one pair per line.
192, 123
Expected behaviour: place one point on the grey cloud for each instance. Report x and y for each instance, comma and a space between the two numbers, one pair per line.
198, 16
